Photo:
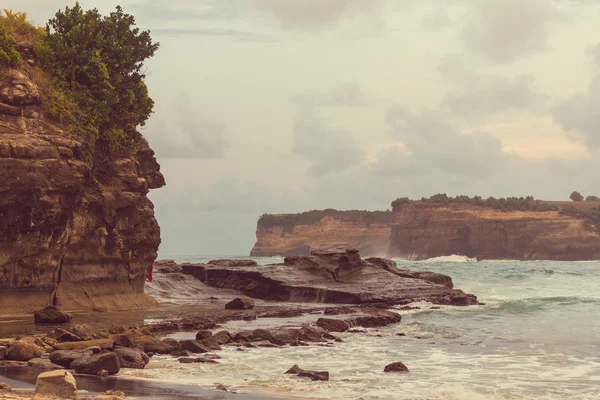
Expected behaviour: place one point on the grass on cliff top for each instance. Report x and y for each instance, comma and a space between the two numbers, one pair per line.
19, 27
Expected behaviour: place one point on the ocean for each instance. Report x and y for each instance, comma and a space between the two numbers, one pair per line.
536, 337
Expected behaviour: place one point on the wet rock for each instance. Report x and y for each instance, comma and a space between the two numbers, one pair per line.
131, 358
94, 364
338, 311
329, 336
104, 344
400, 334
211, 343
154, 345
395, 367
375, 318
66, 357
333, 325
51, 315
197, 360
66, 336
173, 343
42, 364
23, 351
313, 375
233, 263
203, 334
60, 384
194, 346
181, 353
222, 337
212, 356
240, 304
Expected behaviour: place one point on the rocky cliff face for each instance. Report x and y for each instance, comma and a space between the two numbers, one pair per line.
297, 234
69, 236
426, 230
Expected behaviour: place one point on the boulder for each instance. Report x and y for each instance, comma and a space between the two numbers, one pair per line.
104, 344
43, 364
222, 337
60, 384
173, 343
240, 303
5, 387
23, 351
333, 325
211, 343
51, 315
131, 358
197, 360
203, 334
94, 364
122, 340
313, 375
181, 353
194, 346
395, 367
66, 357
152, 344
68, 337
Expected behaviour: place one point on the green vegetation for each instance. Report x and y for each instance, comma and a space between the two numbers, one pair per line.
8, 55
576, 196
289, 221
503, 204
592, 198
591, 215
90, 70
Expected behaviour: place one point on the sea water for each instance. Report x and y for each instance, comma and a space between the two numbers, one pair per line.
536, 337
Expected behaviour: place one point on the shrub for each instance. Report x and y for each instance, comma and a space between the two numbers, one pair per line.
576, 196
592, 198
98, 63
400, 201
19, 27
8, 55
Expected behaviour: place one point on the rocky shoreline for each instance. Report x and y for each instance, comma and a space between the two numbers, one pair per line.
340, 292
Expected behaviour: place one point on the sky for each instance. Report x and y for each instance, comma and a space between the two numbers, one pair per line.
273, 106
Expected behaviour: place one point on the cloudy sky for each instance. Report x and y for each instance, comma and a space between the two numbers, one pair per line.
291, 105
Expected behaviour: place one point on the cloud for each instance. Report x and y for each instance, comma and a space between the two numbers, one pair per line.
183, 10
502, 31
328, 149
182, 132
347, 94
434, 143
479, 94
315, 15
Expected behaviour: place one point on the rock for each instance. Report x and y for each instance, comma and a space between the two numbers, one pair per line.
333, 325
173, 343
122, 340
2, 352
104, 344
93, 364
131, 358
51, 315
166, 266
43, 364
395, 367
59, 384
197, 360
210, 356
93, 349
194, 346
400, 334
66, 357
313, 375
211, 343
240, 304
233, 263
23, 351
68, 337
203, 334
331, 276
18, 90
5, 387
222, 337
182, 353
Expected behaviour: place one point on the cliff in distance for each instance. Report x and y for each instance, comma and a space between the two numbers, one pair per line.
297, 234
422, 230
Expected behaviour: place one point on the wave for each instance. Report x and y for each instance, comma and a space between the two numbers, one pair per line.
451, 258
532, 305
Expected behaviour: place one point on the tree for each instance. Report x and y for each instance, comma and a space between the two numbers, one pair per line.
576, 196
592, 198
99, 63
8, 54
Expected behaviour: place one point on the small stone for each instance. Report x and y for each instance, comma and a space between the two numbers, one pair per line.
51, 315
240, 304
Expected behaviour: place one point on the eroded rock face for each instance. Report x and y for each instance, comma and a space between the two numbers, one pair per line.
69, 236
333, 276
424, 231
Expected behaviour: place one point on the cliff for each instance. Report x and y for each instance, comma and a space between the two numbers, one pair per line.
430, 230
421, 230
297, 234
70, 235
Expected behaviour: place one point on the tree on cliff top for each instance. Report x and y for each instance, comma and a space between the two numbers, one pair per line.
576, 196
98, 62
